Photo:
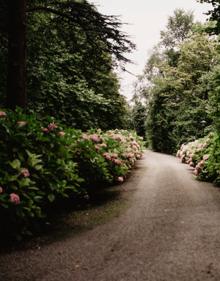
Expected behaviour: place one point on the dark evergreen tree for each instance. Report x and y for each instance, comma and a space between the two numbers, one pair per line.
73, 14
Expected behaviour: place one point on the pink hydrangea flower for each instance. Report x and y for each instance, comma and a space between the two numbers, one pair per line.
120, 179
201, 164
61, 133
118, 137
139, 156
25, 173
52, 126
196, 172
3, 114
114, 155
206, 157
182, 147
15, 199
135, 144
85, 137
200, 145
95, 138
1, 189
130, 155
45, 130
182, 159
22, 123
103, 145
107, 156
97, 147
117, 161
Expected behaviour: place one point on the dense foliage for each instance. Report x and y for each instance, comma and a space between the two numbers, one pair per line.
203, 155
179, 85
213, 15
71, 53
139, 117
180, 91
43, 161
59, 59
60, 62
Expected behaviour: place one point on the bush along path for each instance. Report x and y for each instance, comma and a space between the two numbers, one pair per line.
203, 155
42, 162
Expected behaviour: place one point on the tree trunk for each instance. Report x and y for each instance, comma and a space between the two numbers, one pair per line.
16, 88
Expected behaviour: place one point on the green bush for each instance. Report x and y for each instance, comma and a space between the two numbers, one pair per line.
36, 166
211, 170
204, 156
42, 162
107, 157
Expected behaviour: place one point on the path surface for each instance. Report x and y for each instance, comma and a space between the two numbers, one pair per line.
171, 231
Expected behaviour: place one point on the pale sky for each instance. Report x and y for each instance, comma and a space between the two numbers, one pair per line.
146, 18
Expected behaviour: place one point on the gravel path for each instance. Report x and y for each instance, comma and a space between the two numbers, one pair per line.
171, 231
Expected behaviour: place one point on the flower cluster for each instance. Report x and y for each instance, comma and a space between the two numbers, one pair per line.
113, 157
118, 148
50, 162
14, 199
61, 133
51, 127
25, 173
195, 154
95, 138
3, 114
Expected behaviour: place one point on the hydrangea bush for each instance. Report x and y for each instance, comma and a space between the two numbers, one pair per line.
42, 161
203, 155
107, 157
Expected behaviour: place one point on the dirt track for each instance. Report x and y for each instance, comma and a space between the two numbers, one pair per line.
171, 231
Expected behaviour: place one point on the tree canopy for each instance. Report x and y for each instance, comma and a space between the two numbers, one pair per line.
62, 61
178, 103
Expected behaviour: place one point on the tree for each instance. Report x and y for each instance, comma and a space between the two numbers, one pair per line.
16, 90
139, 118
178, 28
177, 99
158, 84
70, 79
79, 14
183, 109
3, 50
210, 87
211, 80
214, 15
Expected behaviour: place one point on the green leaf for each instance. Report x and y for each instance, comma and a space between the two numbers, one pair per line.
24, 182
51, 197
16, 164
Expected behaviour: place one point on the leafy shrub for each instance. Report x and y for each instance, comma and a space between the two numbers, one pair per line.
204, 156
211, 171
107, 156
36, 165
42, 161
